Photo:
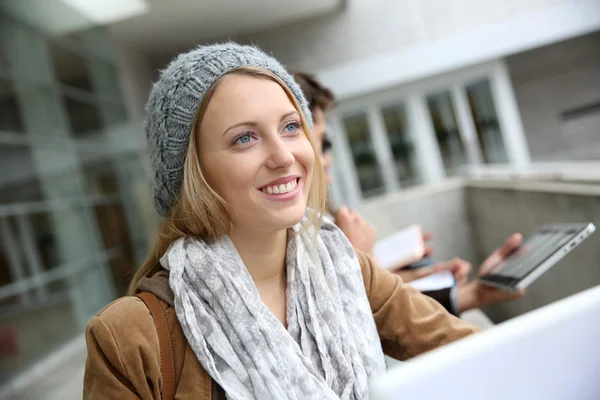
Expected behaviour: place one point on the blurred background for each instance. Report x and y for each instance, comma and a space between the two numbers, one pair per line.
474, 118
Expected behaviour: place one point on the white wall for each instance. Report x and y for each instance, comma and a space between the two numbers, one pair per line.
551, 80
374, 27
439, 208
471, 218
499, 208
373, 44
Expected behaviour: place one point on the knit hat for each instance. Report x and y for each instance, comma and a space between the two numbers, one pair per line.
175, 98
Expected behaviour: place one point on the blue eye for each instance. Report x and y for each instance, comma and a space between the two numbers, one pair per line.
243, 139
292, 127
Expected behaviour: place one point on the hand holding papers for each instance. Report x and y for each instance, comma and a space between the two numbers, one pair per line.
400, 249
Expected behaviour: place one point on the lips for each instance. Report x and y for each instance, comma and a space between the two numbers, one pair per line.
280, 181
281, 186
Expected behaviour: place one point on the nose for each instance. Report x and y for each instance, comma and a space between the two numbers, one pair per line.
279, 154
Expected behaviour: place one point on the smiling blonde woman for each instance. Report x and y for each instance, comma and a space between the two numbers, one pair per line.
262, 298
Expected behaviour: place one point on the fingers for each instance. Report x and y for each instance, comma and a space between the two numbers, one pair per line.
495, 259
427, 236
350, 216
358, 230
443, 266
346, 219
490, 264
455, 264
511, 244
426, 271
428, 251
462, 270
343, 213
501, 295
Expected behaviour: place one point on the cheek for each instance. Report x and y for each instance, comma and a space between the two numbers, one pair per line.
226, 175
305, 155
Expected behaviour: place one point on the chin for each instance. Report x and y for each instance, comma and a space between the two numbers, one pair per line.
285, 219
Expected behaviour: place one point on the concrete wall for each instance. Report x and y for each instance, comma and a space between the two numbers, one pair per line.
550, 81
439, 208
368, 28
498, 209
372, 45
470, 219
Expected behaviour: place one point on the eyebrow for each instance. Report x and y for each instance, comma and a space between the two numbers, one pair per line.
252, 123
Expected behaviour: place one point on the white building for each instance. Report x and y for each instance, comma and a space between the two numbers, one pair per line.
425, 88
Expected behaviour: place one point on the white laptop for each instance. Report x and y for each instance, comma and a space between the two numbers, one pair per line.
552, 353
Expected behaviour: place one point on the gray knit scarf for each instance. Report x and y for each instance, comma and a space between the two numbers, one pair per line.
331, 347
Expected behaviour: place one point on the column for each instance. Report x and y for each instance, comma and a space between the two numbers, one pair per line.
466, 126
383, 150
430, 167
509, 117
344, 162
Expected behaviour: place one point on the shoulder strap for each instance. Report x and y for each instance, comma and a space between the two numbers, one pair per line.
167, 363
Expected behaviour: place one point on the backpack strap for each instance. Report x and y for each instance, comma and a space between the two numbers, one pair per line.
167, 363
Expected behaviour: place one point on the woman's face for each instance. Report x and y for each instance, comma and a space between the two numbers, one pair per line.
255, 154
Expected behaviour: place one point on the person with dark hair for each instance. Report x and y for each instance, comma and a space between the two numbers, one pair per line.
463, 296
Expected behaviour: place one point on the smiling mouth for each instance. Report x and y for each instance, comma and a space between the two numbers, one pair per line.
281, 188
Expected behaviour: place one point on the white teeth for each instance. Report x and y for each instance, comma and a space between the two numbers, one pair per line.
281, 189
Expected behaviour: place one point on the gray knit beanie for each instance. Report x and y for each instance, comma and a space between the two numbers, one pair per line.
175, 98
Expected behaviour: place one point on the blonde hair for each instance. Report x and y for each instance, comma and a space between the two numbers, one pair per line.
199, 211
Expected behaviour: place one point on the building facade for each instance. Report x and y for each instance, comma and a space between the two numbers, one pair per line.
426, 90
72, 184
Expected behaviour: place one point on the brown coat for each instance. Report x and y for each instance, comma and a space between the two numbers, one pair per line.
123, 357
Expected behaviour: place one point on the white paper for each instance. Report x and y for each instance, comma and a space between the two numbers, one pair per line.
437, 281
401, 248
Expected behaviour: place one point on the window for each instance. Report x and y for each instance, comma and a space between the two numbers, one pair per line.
70, 67
486, 122
448, 137
395, 121
11, 119
83, 116
71, 227
367, 167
